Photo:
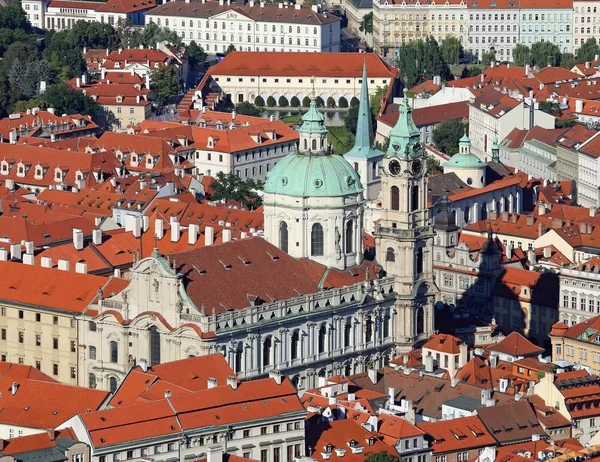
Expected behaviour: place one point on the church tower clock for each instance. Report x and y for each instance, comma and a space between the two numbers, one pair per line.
404, 236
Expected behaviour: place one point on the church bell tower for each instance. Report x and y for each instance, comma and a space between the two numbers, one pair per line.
404, 236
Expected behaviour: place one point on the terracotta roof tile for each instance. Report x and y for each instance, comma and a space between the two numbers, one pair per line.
457, 434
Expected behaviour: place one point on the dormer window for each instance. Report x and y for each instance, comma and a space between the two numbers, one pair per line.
149, 162
119, 99
134, 158
20, 170
39, 172
58, 175
211, 142
4, 168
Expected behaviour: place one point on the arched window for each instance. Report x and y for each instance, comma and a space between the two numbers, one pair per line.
314, 145
112, 382
283, 236
92, 380
369, 330
395, 198
414, 198
92, 352
305, 144
322, 333
238, 358
350, 236
295, 344
390, 255
267, 352
347, 333
316, 240
420, 321
154, 346
386, 325
114, 352
419, 255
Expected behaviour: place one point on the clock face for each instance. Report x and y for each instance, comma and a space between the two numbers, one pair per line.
394, 167
417, 167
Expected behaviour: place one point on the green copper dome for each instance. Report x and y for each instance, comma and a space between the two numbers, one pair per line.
405, 138
464, 161
313, 121
321, 175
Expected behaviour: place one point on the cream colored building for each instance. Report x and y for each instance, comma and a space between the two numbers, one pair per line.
586, 22
396, 23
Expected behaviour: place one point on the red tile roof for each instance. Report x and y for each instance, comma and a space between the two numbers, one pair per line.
515, 344
27, 443
444, 343
126, 6
431, 115
494, 102
457, 434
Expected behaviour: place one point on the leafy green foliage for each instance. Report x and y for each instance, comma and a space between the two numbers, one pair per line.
27, 76
305, 101
343, 102
147, 36
294, 102
382, 456
377, 98
92, 34
320, 102
230, 48
421, 60
330, 102
351, 119
471, 71
452, 50
164, 84
366, 24
487, 58
196, 56
544, 53
446, 135
283, 102
433, 166
259, 101
249, 109
354, 101
67, 100
588, 51
271, 101
229, 186
521, 54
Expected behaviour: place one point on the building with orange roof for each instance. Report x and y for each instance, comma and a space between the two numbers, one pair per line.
245, 76
208, 297
573, 394
579, 295
250, 419
449, 353
51, 445
33, 402
38, 322
577, 343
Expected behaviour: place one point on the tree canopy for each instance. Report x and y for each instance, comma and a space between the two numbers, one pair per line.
164, 84
446, 135
588, 51
249, 109
421, 60
229, 186
196, 56
67, 100
452, 50
544, 53
382, 456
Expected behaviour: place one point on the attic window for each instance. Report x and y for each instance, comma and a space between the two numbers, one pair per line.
55, 412
102, 440
103, 419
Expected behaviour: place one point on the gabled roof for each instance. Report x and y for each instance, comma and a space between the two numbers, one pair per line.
516, 345
511, 423
444, 343
448, 436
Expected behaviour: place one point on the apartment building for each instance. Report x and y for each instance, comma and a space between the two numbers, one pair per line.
493, 24
397, 22
249, 27
37, 320
244, 76
551, 23
586, 22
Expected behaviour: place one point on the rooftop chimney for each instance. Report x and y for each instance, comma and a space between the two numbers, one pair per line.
78, 239
428, 363
193, 230
509, 251
531, 256
372, 375
214, 453
63, 265
29, 259
276, 375
81, 267
143, 365
3, 254
15, 251
97, 236
226, 233
547, 252
46, 262
175, 230
232, 382
14, 388
29, 247
159, 229
209, 235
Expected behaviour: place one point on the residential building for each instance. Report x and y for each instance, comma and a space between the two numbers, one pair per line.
51, 445
511, 423
244, 76
33, 403
549, 23
514, 348
396, 23
250, 26
355, 11
261, 419
578, 343
493, 115
532, 151
572, 393
449, 353
37, 321
410, 441
585, 20
579, 292
457, 440
493, 24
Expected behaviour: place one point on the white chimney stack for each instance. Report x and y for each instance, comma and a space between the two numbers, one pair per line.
63, 265
29, 259
15, 251
159, 229
117, 273
3, 254
46, 262
29, 247
175, 231
193, 230
227, 232
97, 236
81, 267
145, 223
209, 235
78, 239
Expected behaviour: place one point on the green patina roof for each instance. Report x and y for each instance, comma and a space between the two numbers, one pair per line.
319, 175
465, 140
363, 142
313, 121
464, 161
405, 138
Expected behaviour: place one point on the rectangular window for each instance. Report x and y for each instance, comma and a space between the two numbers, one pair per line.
38, 340
263, 430
38, 317
21, 337
73, 373
73, 346
55, 343
3, 334
38, 365
264, 455
55, 369
21, 314
276, 454
3, 311
55, 320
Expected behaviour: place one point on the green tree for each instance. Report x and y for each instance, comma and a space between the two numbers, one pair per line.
231, 187
521, 54
92, 34
471, 71
567, 60
294, 102
343, 102
320, 102
249, 109
452, 50
487, 58
382, 456
421, 60
330, 102
366, 24
230, 48
354, 101
67, 100
13, 17
305, 101
351, 118
376, 99
271, 101
588, 51
28, 76
164, 84
259, 101
63, 55
544, 53
283, 102
196, 56
433, 166
446, 135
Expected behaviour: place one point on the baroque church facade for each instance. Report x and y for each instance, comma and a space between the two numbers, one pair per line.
331, 313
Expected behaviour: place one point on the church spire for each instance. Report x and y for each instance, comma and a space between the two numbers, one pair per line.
405, 138
363, 142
